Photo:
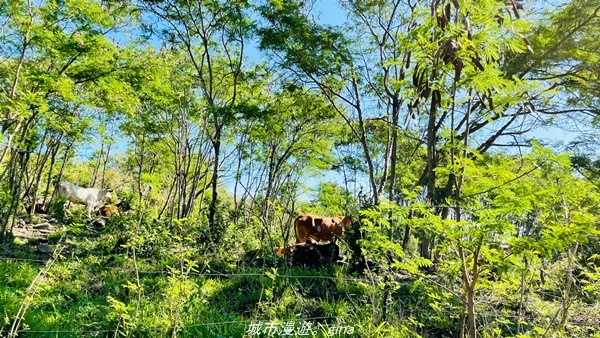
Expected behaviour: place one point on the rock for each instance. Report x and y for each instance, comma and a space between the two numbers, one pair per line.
26, 233
20, 223
45, 248
44, 225
96, 284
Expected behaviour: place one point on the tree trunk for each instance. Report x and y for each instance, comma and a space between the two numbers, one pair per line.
431, 165
566, 301
33, 186
54, 152
407, 231
18, 165
212, 208
104, 162
522, 296
393, 158
62, 169
97, 165
471, 311
469, 279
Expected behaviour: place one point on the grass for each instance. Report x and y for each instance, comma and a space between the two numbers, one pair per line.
197, 291
89, 291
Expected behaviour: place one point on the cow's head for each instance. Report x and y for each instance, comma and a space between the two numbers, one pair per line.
341, 223
107, 195
344, 223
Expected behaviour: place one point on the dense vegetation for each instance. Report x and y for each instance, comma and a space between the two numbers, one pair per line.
461, 136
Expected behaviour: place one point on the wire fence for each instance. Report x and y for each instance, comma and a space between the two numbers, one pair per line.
183, 326
399, 279
271, 274
268, 274
199, 274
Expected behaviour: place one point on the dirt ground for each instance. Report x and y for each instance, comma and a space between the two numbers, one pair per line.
33, 233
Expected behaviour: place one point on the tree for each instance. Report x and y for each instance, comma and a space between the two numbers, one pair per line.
212, 34
169, 132
54, 54
287, 134
319, 55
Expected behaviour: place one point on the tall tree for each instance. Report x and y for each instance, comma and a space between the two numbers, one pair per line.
432, 65
290, 134
213, 35
319, 55
169, 132
53, 54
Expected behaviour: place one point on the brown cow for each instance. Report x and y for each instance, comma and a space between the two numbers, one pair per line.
320, 228
109, 210
311, 254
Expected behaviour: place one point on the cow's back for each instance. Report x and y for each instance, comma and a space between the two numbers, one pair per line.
73, 193
67, 190
319, 228
86, 196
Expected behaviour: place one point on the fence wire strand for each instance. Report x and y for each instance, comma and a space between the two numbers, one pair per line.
266, 274
210, 274
180, 326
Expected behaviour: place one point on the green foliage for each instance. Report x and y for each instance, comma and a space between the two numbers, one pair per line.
383, 229
331, 199
219, 153
304, 44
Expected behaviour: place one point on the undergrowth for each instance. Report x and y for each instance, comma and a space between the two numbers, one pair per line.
184, 289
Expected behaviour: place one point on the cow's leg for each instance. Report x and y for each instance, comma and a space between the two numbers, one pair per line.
66, 206
90, 207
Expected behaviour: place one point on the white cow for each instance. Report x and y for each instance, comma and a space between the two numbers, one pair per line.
90, 197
